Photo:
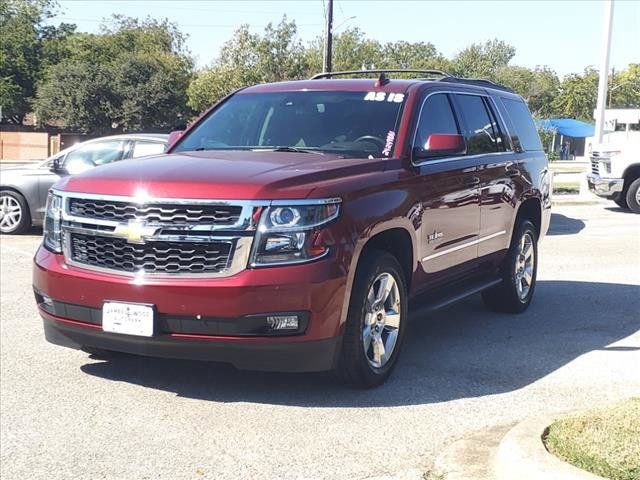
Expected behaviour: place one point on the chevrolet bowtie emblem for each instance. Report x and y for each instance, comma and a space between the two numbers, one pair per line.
135, 231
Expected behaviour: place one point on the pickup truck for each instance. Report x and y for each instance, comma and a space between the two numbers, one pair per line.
294, 225
615, 169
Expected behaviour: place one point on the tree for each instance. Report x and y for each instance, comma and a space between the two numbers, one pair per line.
539, 87
577, 95
624, 87
132, 76
24, 45
482, 60
249, 58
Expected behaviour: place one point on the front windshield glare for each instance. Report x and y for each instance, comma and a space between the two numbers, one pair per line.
353, 124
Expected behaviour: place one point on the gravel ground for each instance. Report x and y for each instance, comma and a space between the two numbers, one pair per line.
66, 415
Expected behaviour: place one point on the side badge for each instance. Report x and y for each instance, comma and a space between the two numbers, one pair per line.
435, 236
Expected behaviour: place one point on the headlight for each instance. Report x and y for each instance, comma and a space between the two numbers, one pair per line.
289, 234
52, 223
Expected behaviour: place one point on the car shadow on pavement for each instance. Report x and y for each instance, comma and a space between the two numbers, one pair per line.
460, 352
563, 225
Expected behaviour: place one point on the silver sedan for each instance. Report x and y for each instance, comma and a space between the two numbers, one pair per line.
23, 190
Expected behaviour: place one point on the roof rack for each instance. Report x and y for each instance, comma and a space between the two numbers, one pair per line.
476, 82
378, 71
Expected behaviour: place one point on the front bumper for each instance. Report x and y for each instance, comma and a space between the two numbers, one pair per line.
604, 187
203, 319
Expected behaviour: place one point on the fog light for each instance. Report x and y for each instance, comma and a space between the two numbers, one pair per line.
282, 322
47, 301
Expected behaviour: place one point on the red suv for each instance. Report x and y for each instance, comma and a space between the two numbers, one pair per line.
291, 225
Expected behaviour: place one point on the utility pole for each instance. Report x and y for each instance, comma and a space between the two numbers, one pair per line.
328, 37
604, 70
613, 78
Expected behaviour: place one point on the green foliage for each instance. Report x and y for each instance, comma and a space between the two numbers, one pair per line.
131, 77
482, 60
23, 45
624, 88
577, 96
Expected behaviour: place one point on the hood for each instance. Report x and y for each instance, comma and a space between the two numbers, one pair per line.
245, 175
11, 175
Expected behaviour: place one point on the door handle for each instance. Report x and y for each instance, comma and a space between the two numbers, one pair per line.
472, 181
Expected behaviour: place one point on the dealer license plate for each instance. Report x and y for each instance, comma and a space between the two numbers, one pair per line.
127, 318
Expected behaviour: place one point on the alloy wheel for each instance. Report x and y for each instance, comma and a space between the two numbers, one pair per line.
525, 262
10, 213
382, 320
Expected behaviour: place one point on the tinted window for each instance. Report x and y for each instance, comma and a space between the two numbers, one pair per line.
354, 124
436, 117
523, 124
481, 131
147, 148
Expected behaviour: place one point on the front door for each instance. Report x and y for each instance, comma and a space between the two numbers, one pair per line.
450, 196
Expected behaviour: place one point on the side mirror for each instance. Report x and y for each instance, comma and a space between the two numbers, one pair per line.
442, 145
174, 136
57, 168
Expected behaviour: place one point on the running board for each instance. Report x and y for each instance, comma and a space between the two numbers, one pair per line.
441, 297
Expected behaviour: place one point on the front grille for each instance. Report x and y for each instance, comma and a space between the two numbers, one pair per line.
595, 166
152, 257
156, 213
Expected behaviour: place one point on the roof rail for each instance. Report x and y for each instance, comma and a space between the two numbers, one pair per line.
476, 82
379, 71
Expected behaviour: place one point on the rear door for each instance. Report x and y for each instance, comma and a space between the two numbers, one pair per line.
496, 168
450, 195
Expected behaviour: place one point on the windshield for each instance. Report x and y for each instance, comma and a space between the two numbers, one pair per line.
353, 124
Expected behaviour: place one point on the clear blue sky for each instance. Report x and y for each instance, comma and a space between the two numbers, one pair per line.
564, 35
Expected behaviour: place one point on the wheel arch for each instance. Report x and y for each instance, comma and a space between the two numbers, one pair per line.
394, 237
531, 209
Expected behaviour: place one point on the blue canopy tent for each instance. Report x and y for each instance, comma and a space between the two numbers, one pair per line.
567, 127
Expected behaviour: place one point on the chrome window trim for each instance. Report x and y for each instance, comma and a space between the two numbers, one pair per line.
457, 157
464, 245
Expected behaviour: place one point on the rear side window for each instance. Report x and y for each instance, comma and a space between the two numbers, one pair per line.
523, 124
436, 117
142, 148
481, 130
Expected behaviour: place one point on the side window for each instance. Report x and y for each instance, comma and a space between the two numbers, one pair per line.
481, 130
521, 119
96, 153
142, 148
436, 117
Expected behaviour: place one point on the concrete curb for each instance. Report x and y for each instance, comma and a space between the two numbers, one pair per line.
522, 455
558, 200
471, 457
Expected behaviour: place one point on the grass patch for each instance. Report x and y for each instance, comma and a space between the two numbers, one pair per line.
564, 188
604, 441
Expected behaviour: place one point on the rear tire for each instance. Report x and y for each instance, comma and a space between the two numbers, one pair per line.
518, 271
14, 213
633, 196
378, 312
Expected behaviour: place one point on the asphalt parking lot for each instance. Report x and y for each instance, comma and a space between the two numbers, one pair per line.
66, 415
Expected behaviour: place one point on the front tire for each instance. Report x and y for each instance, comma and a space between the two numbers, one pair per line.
519, 271
14, 213
378, 312
633, 196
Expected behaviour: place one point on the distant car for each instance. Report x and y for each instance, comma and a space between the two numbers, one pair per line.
23, 190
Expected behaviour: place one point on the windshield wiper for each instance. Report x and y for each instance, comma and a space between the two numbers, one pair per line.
287, 148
